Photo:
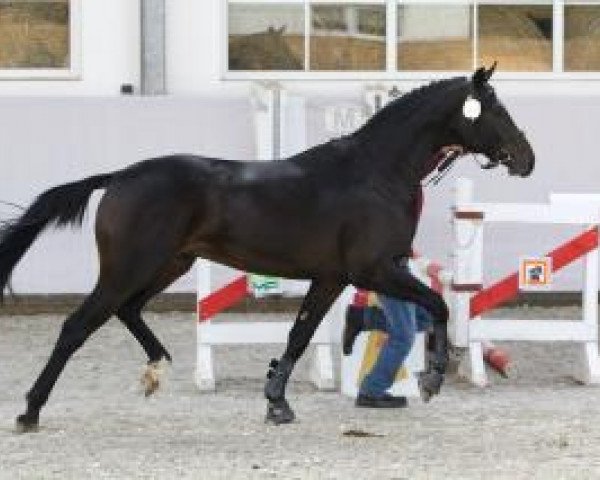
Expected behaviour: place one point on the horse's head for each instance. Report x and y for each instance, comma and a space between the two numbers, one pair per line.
484, 126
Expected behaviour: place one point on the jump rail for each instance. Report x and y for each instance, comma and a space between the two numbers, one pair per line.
209, 333
471, 300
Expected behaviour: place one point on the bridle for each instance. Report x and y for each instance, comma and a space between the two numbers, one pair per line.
444, 166
448, 162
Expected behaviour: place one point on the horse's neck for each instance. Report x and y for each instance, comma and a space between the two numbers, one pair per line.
404, 156
403, 146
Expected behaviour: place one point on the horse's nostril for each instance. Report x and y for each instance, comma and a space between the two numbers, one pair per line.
530, 168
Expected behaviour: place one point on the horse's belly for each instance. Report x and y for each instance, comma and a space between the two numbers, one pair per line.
281, 255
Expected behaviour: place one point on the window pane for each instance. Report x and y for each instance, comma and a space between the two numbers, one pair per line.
266, 37
582, 38
347, 37
519, 37
34, 34
435, 37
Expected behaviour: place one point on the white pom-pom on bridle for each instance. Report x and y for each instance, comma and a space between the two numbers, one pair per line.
471, 108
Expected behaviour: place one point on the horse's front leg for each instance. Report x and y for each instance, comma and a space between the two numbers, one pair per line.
393, 278
315, 305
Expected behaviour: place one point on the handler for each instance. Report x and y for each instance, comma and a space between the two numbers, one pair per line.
401, 320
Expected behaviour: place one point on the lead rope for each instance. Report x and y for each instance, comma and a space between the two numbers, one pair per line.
444, 167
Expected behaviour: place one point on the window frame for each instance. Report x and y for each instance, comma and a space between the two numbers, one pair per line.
391, 73
73, 72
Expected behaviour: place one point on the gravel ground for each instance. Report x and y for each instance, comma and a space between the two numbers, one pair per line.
97, 424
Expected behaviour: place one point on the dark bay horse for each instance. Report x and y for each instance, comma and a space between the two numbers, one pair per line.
338, 214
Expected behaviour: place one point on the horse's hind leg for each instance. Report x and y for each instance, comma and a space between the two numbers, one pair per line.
91, 315
315, 305
130, 313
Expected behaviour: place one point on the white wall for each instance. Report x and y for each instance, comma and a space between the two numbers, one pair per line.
50, 141
194, 49
110, 42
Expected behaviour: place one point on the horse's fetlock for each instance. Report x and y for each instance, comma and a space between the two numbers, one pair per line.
151, 378
277, 377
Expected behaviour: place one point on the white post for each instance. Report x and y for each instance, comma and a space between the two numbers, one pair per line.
321, 370
464, 268
472, 367
588, 370
265, 98
467, 266
204, 375
322, 366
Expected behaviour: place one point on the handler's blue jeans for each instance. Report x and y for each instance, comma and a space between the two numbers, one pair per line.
401, 320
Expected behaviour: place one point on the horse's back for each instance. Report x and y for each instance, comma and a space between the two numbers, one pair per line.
294, 217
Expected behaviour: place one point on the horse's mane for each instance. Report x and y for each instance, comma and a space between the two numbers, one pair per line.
410, 103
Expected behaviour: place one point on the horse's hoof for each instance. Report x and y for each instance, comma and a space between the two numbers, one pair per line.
430, 384
26, 423
151, 377
278, 412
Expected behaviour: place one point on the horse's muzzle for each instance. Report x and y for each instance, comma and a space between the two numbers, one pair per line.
517, 156
519, 165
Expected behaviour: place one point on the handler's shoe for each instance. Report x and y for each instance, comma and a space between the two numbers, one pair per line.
385, 401
353, 326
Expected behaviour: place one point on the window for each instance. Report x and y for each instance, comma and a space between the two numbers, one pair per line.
266, 37
347, 37
582, 38
38, 38
441, 36
519, 37
395, 39
435, 37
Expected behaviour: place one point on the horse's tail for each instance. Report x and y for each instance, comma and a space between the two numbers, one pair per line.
60, 205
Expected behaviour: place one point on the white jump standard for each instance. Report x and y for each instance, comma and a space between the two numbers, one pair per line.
470, 300
211, 333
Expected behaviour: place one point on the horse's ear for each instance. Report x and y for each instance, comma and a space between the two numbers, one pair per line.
491, 70
482, 75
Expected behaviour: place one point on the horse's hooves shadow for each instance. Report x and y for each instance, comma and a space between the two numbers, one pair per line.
21, 428
279, 412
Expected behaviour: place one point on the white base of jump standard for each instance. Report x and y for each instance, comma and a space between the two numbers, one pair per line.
226, 333
211, 333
